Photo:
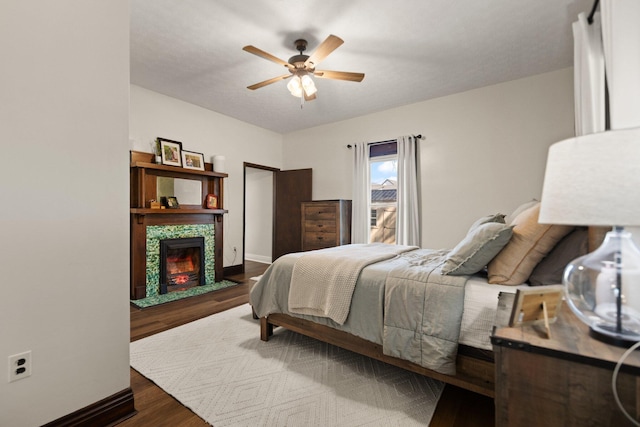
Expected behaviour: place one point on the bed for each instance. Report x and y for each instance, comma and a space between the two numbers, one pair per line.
425, 310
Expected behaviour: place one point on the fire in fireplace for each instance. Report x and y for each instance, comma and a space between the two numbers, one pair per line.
181, 264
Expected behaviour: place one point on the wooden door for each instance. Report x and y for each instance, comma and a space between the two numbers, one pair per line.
291, 188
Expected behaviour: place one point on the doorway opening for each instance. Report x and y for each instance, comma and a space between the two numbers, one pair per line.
258, 211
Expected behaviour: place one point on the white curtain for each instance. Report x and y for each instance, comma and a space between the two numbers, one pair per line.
361, 195
408, 215
621, 40
588, 59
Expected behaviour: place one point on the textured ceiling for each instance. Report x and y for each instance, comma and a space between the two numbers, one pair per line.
410, 51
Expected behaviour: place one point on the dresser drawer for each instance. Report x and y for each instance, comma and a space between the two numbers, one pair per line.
320, 213
320, 226
319, 240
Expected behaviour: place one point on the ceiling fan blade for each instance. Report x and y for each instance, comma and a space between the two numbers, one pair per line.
268, 82
261, 53
330, 44
339, 75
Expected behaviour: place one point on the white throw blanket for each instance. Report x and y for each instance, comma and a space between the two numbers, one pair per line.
323, 281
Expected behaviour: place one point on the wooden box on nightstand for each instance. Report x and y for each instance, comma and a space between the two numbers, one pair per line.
561, 381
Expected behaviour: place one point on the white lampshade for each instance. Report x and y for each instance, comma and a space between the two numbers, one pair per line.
593, 180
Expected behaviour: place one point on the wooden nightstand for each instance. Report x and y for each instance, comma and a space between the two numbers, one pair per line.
562, 381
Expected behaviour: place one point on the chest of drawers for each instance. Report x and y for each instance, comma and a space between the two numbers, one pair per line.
325, 224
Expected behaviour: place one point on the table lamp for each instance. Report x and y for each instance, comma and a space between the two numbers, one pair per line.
594, 180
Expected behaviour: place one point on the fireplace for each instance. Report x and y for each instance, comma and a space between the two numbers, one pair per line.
182, 264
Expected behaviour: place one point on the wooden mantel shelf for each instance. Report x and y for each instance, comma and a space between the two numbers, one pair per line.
176, 169
148, 211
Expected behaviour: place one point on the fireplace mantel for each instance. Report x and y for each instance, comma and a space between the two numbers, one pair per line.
143, 178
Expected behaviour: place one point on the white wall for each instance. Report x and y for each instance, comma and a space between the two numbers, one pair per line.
259, 228
64, 220
155, 115
484, 150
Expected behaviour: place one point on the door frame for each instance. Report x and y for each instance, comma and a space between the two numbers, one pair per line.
246, 165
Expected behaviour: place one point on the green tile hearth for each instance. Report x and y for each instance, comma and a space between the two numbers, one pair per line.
174, 296
155, 233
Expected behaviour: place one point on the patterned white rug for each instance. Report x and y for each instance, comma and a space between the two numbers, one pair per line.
219, 368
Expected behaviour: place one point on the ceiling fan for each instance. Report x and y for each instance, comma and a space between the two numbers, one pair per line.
302, 66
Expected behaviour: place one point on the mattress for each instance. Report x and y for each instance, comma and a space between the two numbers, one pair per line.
478, 316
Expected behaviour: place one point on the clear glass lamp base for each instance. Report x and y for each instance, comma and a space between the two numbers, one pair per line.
603, 289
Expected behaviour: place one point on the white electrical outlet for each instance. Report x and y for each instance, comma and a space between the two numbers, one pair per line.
19, 366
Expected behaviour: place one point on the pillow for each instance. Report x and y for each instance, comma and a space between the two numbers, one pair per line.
523, 207
530, 243
486, 219
551, 269
480, 245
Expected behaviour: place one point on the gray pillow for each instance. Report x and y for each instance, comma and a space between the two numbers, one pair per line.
550, 270
486, 219
479, 247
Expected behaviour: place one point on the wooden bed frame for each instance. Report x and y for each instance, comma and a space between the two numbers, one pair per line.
475, 369
474, 372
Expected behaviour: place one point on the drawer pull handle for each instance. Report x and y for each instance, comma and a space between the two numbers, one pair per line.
320, 238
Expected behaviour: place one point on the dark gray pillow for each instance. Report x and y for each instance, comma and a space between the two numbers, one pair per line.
549, 271
474, 252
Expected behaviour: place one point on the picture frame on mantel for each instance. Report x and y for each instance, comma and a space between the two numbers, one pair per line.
171, 202
170, 152
192, 160
211, 201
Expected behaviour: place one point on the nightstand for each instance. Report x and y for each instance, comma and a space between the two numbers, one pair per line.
561, 381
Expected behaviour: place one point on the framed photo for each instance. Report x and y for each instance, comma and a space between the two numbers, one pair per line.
170, 152
211, 201
192, 160
171, 202
536, 305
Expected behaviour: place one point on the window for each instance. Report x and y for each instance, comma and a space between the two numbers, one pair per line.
383, 165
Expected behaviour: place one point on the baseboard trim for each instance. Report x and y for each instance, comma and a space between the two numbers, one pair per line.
233, 270
258, 258
106, 412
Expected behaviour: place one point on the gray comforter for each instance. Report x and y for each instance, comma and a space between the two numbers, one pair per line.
403, 304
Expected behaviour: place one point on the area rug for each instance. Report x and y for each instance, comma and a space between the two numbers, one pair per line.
219, 368
174, 296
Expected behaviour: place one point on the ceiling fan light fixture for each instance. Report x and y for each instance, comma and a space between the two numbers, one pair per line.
308, 85
295, 86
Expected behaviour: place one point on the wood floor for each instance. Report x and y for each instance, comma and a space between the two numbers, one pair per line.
456, 408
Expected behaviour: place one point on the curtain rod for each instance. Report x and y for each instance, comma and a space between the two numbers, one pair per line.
593, 12
419, 136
